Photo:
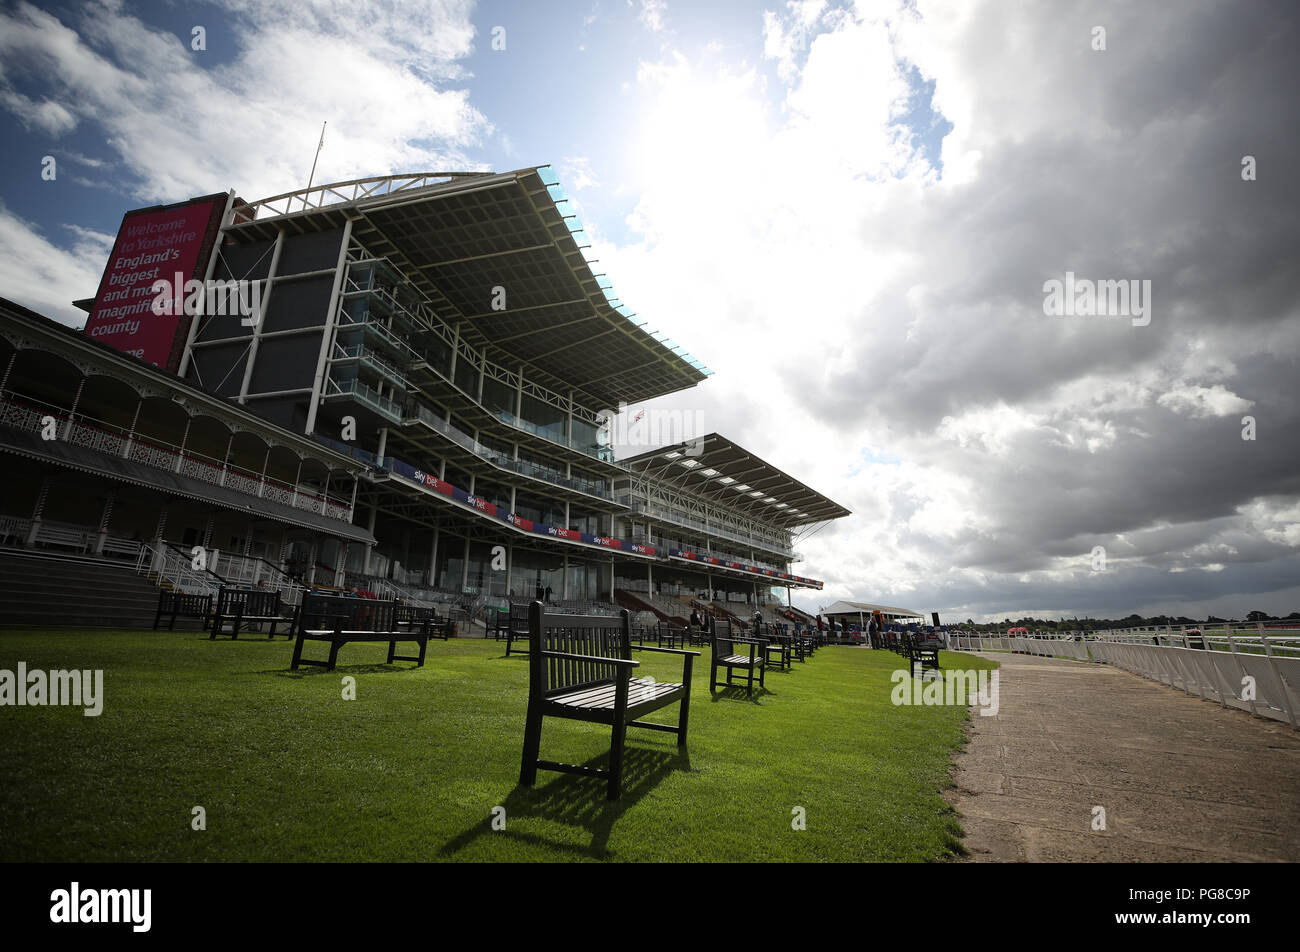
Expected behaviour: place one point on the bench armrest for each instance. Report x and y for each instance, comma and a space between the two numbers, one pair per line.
621, 662
676, 651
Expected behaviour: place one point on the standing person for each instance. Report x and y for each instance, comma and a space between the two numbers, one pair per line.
548, 594
873, 632
695, 619
541, 592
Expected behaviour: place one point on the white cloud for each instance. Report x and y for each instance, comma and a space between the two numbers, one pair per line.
651, 14
186, 129
43, 276
1198, 402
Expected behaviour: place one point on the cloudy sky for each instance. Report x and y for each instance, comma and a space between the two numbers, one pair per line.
850, 212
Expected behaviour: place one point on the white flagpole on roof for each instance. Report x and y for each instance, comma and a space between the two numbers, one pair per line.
312, 176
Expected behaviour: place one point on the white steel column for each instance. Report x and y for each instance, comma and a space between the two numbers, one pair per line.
327, 332
193, 332
261, 315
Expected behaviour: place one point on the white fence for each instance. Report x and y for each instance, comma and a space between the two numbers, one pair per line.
1250, 668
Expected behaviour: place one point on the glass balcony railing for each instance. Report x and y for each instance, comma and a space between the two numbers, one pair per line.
366, 395
711, 528
554, 435
522, 467
373, 360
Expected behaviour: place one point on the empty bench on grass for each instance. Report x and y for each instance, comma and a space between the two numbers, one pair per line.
580, 667
415, 617
726, 656
516, 627
927, 656
242, 607
172, 604
338, 620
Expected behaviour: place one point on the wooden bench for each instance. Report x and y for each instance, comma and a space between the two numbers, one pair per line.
580, 668
183, 604
410, 617
927, 656
338, 620
775, 649
665, 632
517, 627
726, 656
500, 625
248, 606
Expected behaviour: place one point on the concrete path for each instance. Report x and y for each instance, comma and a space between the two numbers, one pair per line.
1180, 779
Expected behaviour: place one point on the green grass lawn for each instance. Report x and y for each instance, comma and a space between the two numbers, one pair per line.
412, 769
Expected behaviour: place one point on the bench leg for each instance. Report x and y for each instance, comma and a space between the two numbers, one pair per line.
297, 653
532, 747
684, 712
218, 622
616, 759
392, 650
424, 644
713, 677
334, 653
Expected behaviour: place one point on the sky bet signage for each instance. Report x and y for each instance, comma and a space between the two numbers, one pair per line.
153, 244
431, 482
742, 567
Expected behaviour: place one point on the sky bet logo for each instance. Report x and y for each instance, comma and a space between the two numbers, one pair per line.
103, 905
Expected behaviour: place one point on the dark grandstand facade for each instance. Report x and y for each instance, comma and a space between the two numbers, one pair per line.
419, 401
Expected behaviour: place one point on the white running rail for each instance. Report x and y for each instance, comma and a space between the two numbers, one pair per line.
1253, 668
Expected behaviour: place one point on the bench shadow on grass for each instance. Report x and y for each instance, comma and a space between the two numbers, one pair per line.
399, 667
738, 692
578, 802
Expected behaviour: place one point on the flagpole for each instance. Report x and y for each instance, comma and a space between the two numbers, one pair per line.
312, 176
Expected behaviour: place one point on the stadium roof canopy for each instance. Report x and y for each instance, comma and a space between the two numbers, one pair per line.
864, 608
718, 469
461, 235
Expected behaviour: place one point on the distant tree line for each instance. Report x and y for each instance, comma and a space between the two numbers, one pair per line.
1102, 624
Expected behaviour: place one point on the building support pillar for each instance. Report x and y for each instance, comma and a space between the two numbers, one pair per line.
38, 511
159, 545
464, 567
370, 548
130, 434
72, 414
225, 460
103, 521
342, 563
311, 562
433, 560
180, 452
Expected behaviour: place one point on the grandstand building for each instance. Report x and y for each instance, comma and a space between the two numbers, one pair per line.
412, 391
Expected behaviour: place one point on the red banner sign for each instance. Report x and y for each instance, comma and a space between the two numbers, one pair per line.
151, 246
